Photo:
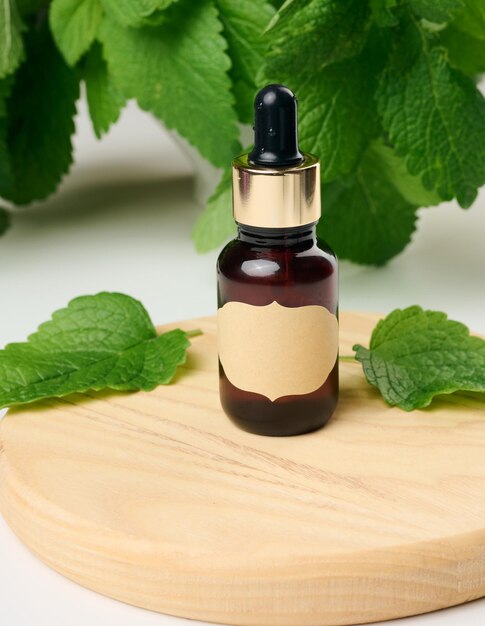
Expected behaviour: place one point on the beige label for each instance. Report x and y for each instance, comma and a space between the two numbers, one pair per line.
276, 350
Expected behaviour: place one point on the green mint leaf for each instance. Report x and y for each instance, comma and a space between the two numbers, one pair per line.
105, 100
41, 108
465, 52
471, 18
437, 11
100, 341
383, 12
11, 46
216, 224
435, 118
134, 12
385, 219
184, 79
4, 220
415, 355
306, 35
394, 168
74, 24
244, 22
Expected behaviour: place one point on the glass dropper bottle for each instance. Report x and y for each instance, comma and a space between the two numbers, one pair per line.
277, 285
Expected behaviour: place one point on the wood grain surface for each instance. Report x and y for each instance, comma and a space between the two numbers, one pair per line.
158, 500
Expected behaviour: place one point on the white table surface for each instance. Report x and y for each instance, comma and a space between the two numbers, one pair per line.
121, 222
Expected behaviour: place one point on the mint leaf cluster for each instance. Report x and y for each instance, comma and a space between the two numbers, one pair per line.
415, 355
96, 342
387, 93
388, 101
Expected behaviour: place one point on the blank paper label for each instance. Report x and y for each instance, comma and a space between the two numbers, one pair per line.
275, 350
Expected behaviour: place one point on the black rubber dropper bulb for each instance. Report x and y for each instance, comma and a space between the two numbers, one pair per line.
275, 128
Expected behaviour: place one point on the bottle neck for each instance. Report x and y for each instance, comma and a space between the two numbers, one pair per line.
278, 237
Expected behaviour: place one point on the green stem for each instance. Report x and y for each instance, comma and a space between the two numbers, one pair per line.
347, 358
193, 333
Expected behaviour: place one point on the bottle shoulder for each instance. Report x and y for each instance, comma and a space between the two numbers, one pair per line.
242, 260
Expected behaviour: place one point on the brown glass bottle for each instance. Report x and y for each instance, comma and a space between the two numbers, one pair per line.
277, 286
290, 267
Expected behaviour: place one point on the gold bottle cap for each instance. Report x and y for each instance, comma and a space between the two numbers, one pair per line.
281, 197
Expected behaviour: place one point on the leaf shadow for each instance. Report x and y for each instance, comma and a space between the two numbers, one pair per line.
101, 198
461, 399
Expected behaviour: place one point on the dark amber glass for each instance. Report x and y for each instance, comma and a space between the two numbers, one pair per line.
290, 267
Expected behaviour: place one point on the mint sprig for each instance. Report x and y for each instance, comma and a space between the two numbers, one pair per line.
96, 342
415, 355
384, 77
396, 73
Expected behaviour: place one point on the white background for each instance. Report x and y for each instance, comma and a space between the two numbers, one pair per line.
121, 222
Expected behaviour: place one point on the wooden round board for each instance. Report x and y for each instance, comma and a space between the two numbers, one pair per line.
157, 499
